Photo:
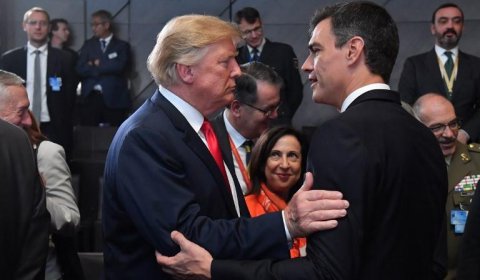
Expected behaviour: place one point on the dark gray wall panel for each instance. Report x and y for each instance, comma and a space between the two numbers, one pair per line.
139, 21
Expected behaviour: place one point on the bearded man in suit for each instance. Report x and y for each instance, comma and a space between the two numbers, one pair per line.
448, 71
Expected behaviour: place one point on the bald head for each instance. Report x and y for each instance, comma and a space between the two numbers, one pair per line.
438, 114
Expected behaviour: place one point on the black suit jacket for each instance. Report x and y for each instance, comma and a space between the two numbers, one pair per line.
421, 74
60, 103
23, 214
160, 176
283, 60
220, 129
391, 170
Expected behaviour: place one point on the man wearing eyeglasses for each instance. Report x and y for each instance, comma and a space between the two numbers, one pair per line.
49, 76
279, 56
446, 70
257, 99
463, 164
103, 67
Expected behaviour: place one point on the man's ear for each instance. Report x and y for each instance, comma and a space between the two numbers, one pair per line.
235, 107
184, 72
355, 49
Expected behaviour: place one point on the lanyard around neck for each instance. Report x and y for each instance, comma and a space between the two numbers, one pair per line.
242, 167
449, 81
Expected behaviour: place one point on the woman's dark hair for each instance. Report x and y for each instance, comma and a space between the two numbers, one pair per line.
261, 151
34, 133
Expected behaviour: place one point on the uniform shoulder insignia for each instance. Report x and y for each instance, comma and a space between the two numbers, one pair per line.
474, 147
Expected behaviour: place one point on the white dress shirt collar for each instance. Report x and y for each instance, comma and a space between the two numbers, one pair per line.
441, 53
107, 39
31, 48
237, 138
259, 48
358, 92
193, 116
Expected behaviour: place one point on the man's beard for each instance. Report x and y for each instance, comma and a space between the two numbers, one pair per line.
448, 42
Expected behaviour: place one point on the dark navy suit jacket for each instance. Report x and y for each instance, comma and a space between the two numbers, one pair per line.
111, 74
160, 176
390, 168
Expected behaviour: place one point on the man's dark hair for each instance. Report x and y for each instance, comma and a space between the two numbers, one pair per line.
54, 25
105, 16
246, 83
446, 5
369, 21
249, 14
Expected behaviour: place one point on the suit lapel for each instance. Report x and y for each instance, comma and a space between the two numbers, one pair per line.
196, 144
378, 94
22, 63
434, 69
218, 124
110, 45
462, 72
266, 55
243, 55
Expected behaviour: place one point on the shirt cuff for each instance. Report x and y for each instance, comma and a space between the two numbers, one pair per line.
287, 233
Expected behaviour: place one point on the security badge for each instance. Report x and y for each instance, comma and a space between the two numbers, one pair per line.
112, 55
55, 83
462, 197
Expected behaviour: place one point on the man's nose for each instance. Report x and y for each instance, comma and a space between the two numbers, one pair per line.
448, 132
26, 120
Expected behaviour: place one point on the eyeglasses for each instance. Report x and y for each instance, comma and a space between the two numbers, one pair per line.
440, 128
95, 24
266, 112
35, 22
256, 30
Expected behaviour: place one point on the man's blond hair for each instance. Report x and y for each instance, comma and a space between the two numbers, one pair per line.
184, 40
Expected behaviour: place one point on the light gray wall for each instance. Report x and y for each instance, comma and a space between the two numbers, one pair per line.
139, 21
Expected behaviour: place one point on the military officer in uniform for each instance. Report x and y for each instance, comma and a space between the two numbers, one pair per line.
463, 164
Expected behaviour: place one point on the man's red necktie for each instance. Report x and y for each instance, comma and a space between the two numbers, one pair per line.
214, 147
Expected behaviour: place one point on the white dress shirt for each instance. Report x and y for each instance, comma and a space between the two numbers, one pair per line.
44, 115
195, 119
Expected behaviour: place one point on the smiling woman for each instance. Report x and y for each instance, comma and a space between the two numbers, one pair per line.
277, 162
